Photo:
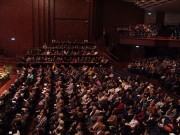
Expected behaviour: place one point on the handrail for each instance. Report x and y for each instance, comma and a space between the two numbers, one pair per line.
59, 48
63, 55
101, 46
112, 54
109, 57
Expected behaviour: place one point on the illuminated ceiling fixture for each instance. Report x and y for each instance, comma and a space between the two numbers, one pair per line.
149, 3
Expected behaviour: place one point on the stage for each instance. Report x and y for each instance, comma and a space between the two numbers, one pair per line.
4, 75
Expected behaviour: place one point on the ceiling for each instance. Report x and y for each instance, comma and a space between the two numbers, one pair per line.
172, 6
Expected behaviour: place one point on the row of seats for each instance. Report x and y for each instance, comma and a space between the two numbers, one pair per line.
72, 52
69, 59
62, 52
71, 44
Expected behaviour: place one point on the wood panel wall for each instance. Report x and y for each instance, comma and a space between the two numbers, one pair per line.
119, 13
72, 19
43, 21
15, 21
120, 51
35, 22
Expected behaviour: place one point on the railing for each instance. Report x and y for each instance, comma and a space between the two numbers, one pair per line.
105, 50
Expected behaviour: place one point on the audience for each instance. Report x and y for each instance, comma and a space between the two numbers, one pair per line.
163, 68
139, 30
78, 100
150, 30
86, 100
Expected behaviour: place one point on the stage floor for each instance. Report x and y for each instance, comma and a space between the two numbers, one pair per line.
3, 82
4, 77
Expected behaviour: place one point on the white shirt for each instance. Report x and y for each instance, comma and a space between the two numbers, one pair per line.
133, 123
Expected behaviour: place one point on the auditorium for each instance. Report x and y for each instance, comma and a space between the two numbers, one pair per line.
89, 67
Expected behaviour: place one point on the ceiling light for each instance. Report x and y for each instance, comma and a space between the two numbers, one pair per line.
149, 13
13, 38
